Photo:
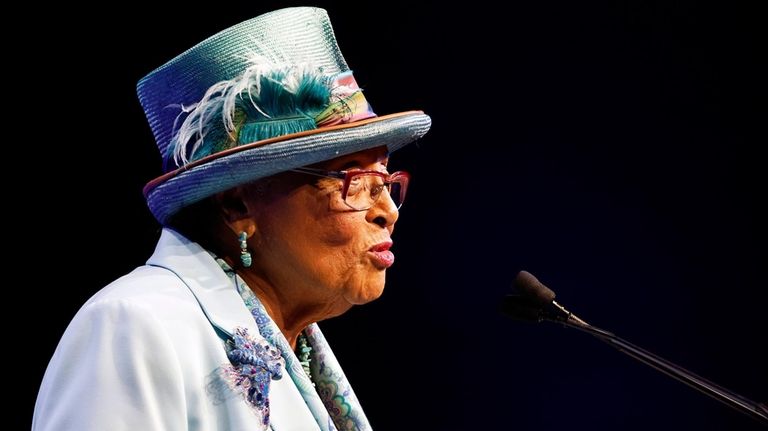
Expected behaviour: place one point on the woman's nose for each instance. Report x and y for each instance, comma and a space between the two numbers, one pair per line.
384, 212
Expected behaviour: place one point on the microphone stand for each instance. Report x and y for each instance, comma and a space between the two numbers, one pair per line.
750, 408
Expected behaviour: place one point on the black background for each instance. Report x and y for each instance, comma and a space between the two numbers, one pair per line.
613, 149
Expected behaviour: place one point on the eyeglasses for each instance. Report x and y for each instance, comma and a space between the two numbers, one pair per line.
362, 188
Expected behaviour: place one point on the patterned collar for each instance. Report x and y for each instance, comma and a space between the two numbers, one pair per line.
330, 399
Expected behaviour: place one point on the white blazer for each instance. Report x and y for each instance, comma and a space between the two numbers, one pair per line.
140, 353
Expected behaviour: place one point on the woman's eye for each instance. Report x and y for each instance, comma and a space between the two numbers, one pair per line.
376, 190
354, 186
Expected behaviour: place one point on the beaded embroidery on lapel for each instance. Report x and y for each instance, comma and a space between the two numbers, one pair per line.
255, 362
254, 365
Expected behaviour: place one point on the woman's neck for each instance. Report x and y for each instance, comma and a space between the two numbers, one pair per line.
290, 308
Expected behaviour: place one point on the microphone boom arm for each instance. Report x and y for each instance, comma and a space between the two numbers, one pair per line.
537, 304
755, 410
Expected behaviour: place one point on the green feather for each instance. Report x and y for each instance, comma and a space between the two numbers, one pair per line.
289, 108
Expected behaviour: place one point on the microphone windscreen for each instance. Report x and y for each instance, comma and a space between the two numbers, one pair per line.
532, 288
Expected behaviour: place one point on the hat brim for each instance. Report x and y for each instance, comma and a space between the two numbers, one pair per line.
169, 193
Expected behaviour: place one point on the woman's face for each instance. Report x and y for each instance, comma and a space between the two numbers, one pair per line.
308, 240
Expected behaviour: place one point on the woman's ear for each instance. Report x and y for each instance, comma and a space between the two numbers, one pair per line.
236, 210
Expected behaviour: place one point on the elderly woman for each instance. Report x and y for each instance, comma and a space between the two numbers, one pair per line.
278, 211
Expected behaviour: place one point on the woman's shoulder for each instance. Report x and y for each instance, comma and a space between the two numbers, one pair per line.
140, 284
147, 289
148, 303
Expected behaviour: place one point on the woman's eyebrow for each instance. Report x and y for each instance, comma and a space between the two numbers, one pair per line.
350, 164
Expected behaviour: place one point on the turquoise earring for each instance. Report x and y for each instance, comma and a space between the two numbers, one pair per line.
245, 255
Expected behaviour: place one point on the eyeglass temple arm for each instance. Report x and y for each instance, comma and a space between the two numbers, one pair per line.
320, 172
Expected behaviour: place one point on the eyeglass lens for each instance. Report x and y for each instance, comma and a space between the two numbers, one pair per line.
365, 189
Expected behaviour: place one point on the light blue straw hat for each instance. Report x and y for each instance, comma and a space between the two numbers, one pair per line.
269, 94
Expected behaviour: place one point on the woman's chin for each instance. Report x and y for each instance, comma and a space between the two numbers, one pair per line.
370, 292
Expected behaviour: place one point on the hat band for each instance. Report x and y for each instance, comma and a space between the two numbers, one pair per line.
348, 106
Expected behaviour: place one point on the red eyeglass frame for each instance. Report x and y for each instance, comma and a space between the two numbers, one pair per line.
401, 177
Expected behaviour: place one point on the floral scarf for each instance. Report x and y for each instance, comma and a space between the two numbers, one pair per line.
328, 394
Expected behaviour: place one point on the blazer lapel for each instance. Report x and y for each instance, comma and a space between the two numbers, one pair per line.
218, 299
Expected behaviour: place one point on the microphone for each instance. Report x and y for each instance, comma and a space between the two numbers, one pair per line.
536, 302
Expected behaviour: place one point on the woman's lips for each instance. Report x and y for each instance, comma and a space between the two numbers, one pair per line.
381, 256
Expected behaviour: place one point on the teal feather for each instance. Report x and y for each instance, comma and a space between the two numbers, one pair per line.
288, 110
258, 130
255, 106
